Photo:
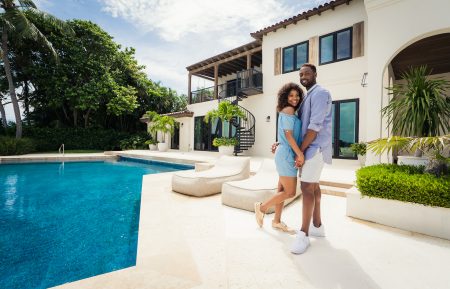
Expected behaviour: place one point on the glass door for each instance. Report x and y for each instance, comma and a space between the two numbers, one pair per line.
345, 127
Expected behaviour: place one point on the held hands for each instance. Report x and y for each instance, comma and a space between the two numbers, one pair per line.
299, 160
274, 147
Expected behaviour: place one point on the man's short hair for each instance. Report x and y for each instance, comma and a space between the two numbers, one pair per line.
312, 66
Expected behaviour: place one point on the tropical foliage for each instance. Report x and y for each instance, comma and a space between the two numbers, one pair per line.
225, 112
359, 148
419, 107
82, 80
161, 123
17, 22
411, 144
225, 141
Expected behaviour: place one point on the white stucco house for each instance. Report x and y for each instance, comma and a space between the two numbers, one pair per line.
359, 47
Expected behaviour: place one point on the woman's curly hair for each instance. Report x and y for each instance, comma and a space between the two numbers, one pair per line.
283, 94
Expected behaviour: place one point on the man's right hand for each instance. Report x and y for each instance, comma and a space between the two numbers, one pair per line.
274, 147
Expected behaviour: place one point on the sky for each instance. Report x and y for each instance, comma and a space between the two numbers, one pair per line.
170, 35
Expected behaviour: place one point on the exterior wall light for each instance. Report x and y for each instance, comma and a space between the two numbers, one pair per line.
268, 118
364, 82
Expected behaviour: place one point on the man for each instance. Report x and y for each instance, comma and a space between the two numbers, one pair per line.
315, 113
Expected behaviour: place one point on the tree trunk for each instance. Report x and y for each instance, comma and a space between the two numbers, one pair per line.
86, 118
26, 100
3, 114
75, 117
12, 89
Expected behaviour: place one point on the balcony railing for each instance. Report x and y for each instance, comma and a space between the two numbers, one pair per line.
247, 82
202, 95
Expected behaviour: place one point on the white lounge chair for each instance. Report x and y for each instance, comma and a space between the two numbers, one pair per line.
209, 182
263, 185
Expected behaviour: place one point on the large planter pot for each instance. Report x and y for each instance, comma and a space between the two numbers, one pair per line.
226, 150
362, 160
162, 146
152, 147
412, 161
432, 221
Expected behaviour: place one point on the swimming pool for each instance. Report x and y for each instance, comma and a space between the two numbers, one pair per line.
61, 222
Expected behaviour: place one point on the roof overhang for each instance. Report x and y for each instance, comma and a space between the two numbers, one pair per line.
302, 16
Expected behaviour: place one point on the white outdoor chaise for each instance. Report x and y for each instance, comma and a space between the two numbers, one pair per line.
209, 182
264, 184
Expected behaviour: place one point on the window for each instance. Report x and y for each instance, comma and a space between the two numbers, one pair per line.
205, 133
175, 137
345, 126
336, 46
295, 56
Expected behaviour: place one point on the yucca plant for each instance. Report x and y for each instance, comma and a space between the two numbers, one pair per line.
419, 108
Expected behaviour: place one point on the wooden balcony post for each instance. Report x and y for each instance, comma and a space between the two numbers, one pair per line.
189, 87
249, 61
216, 80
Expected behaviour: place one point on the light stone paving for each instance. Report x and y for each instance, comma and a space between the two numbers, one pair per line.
188, 242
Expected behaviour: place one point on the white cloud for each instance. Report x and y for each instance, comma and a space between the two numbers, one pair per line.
184, 32
174, 19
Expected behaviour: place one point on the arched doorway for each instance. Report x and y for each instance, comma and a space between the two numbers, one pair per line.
433, 52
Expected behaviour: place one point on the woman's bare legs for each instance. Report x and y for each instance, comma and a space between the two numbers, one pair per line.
288, 186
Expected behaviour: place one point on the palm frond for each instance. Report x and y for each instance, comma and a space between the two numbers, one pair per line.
24, 28
51, 20
435, 143
27, 4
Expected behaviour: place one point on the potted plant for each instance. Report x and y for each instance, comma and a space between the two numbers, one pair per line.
418, 109
152, 144
163, 124
226, 111
360, 150
225, 145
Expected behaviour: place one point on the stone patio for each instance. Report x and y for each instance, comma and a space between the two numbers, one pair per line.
187, 242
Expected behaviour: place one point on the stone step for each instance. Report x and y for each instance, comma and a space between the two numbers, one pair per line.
335, 191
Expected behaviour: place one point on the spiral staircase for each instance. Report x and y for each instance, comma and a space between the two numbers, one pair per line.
248, 82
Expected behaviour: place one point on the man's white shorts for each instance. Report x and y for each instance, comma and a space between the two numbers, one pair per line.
312, 168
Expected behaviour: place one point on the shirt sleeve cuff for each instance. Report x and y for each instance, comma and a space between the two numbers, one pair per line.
315, 127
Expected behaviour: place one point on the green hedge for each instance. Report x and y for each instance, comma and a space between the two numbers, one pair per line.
12, 146
404, 183
50, 139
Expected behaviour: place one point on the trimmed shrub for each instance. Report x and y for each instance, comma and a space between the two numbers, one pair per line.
50, 139
225, 141
134, 142
12, 146
404, 183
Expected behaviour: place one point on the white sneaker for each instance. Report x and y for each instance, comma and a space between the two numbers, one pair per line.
301, 243
316, 231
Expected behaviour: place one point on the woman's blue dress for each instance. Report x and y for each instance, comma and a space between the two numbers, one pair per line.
285, 155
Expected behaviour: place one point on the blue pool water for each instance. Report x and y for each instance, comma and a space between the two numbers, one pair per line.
61, 222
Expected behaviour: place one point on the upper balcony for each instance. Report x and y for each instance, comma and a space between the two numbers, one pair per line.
237, 70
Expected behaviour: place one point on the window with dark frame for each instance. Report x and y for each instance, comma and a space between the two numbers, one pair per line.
345, 127
336, 46
295, 56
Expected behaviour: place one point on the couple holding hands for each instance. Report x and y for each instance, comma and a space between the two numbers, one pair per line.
304, 146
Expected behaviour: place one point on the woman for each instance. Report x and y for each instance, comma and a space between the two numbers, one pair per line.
289, 136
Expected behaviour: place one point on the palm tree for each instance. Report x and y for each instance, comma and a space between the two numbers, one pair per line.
15, 22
